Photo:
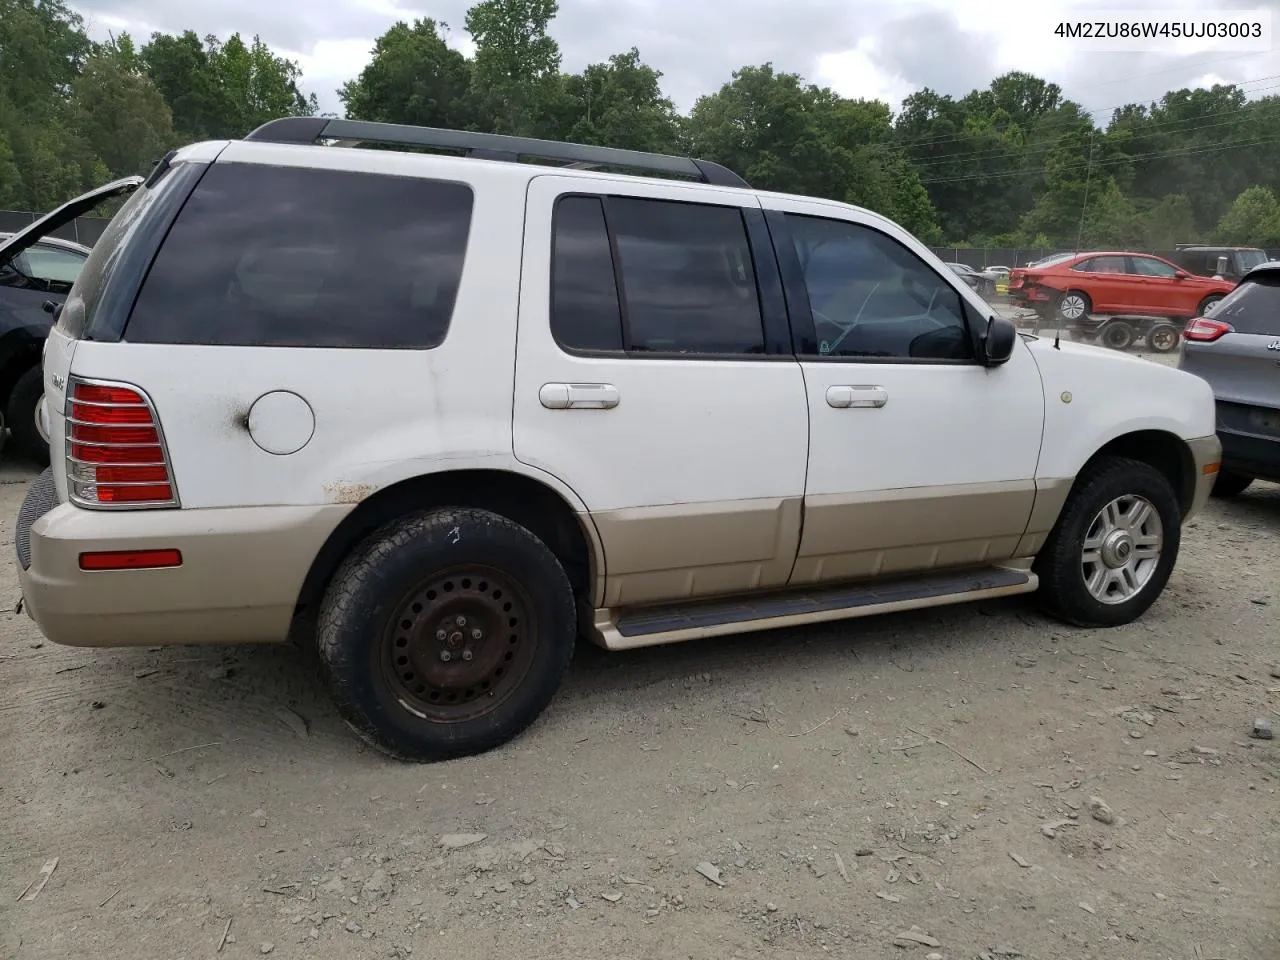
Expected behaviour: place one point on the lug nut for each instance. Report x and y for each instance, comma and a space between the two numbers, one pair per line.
476, 633
445, 656
466, 655
441, 635
461, 620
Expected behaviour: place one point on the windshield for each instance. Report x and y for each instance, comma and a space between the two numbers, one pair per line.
1251, 258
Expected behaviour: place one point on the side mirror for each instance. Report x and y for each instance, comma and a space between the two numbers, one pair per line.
1180, 274
997, 343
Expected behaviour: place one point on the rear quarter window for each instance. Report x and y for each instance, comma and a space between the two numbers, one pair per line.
284, 256
1252, 308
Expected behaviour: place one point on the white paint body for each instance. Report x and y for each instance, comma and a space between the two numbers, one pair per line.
684, 431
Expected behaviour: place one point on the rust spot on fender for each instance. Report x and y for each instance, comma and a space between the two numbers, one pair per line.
342, 492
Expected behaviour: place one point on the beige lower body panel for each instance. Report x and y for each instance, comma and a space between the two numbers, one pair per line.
683, 551
1206, 455
888, 532
241, 573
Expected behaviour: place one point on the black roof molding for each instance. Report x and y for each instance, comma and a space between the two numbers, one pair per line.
491, 146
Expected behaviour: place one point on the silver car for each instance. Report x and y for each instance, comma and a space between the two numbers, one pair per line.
1236, 347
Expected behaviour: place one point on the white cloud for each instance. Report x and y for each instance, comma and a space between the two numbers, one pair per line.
860, 48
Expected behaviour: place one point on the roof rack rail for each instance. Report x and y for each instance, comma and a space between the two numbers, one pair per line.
490, 146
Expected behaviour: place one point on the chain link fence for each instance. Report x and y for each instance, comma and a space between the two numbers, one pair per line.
82, 230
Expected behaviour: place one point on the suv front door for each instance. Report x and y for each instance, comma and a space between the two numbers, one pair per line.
919, 457
654, 377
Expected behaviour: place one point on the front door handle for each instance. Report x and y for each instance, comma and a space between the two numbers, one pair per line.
578, 396
857, 395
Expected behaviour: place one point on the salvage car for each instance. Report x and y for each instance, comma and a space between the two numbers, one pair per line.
37, 271
440, 416
1117, 297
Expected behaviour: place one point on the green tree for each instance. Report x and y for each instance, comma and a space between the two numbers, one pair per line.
118, 112
1253, 219
220, 90
414, 77
515, 74
619, 104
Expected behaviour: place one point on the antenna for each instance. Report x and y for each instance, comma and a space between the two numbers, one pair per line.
1088, 175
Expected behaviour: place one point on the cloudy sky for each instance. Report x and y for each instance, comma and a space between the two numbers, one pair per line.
862, 48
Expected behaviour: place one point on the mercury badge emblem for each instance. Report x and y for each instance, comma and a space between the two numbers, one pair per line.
1066, 396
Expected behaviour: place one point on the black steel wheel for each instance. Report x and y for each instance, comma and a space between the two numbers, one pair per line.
1117, 335
459, 643
446, 633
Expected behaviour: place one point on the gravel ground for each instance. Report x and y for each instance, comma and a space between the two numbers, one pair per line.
920, 785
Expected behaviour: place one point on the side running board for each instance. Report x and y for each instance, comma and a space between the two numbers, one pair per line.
670, 623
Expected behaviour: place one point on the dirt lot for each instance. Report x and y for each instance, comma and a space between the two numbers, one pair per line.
927, 774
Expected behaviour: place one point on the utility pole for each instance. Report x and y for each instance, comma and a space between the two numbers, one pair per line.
1088, 175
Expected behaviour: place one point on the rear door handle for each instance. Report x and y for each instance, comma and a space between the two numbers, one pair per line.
578, 396
857, 395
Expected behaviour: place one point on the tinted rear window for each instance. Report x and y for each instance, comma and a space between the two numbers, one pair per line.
1253, 307
282, 256
91, 282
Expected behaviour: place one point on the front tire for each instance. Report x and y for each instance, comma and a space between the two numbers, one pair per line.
1230, 484
20, 415
1114, 546
446, 633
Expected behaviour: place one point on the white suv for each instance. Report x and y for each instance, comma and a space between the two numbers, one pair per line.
441, 415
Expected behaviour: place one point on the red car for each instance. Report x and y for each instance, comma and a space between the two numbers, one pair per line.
1073, 286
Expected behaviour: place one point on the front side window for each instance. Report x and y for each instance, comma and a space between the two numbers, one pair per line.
871, 297
681, 282
286, 256
1148, 267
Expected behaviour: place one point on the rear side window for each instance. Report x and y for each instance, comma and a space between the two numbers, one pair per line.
1101, 265
682, 280
283, 256
1252, 308
94, 276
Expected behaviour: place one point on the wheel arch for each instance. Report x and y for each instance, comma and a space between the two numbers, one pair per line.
1165, 451
533, 504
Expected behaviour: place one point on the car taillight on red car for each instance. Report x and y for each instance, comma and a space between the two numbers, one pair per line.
1204, 330
115, 448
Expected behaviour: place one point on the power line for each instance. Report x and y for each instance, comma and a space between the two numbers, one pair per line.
944, 138
1045, 147
1193, 151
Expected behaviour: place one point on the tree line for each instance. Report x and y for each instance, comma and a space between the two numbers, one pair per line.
1015, 164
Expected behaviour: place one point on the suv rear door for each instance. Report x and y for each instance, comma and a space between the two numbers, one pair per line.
654, 376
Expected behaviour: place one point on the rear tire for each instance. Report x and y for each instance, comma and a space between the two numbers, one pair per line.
20, 415
446, 633
1115, 544
1230, 484
1207, 304
1163, 338
1117, 335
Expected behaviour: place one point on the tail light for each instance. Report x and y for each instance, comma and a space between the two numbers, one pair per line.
1203, 330
116, 456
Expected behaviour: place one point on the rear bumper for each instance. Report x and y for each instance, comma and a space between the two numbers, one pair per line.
241, 573
1206, 455
1250, 455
